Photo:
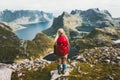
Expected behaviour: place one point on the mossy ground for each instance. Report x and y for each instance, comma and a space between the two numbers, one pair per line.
100, 71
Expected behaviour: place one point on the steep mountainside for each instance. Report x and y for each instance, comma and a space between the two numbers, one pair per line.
41, 45
12, 48
9, 44
83, 21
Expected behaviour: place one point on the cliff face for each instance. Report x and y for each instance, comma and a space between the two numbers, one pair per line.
84, 21
25, 16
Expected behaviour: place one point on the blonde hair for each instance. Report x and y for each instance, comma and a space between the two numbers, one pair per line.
60, 31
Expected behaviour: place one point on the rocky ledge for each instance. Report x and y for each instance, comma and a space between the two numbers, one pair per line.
25, 64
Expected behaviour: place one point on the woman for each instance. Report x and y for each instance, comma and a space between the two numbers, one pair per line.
61, 50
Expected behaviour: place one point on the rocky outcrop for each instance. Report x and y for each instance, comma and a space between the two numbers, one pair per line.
16, 70
32, 64
108, 55
5, 73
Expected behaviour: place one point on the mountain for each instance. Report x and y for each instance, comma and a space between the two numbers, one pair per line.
99, 37
117, 18
9, 44
100, 60
25, 16
66, 21
112, 33
40, 46
82, 21
12, 48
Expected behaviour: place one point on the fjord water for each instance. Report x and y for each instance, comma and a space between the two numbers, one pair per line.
31, 30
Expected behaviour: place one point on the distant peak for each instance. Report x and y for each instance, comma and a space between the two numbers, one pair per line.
65, 14
94, 9
76, 11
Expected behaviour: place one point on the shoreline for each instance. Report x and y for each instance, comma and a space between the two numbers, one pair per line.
16, 27
19, 28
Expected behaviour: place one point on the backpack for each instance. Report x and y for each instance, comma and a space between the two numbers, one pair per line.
62, 47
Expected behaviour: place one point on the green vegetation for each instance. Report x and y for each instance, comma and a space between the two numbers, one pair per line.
100, 71
97, 38
91, 43
9, 45
106, 32
40, 46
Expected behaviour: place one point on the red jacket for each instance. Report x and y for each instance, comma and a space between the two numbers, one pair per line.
62, 46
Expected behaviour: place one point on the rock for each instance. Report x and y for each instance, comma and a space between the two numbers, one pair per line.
5, 73
110, 77
74, 63
78, 68
108, 55
81, 58
118, 57
33, 64
107, 61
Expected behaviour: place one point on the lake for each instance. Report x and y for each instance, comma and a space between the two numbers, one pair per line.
31, 30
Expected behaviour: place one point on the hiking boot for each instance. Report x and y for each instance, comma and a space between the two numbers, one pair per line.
59, 68
64, 68
63, 71
59, 72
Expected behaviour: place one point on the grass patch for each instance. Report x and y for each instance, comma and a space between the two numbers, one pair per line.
100, 71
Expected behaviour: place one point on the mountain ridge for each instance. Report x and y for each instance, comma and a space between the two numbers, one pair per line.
25, 16
82, 21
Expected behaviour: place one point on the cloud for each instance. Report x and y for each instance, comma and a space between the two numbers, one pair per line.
62, 5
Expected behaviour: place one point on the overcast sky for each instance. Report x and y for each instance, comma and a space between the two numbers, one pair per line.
57, 6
